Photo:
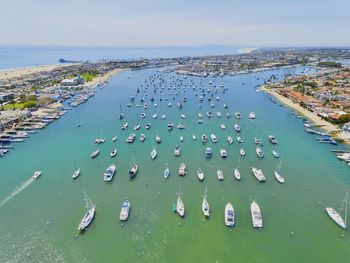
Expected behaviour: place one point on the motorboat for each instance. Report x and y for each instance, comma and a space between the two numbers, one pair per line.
114, 152
170, 126
242, 152
163, 117
239, 139
218, 114
166, 173
183, 116
180, 206
143, 115
114, 138
257, 221
259, 152
251, 115
154, 116
204, 138
124, 211
214, 139
158, 140
220, 175
229, 139
133, 171
208, 153
180, 126
142, 137
109, 173
194, 137
272, 139
154, 153
200, 174
99, 140
275, 154
223, 153
200, 115
177, 151
36, 175
222, 126
257, 141
237, 174
76, 174
182, 169
238, 115
258, 174
229, 215
94, 153
237, 128
209, 114
148, 126
125, 126
131, 138
137, 127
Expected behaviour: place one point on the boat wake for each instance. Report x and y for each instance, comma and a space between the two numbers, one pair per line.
16, 191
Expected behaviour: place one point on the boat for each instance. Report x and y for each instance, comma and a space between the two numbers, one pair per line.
148, 126
205, 204
182, 169
133, 171
125, 126
237, 174
142, 137
229, 139
208, 152
76, 174
256, 215
99, 140
251, 115
181, 126
242, 152
166, 172
209, 114
237, 128
121, 114
275, 154
228, 115
183, 116
272, 139
170, 126
89, 216
259, 152
137, 127
336, 217
145, 106
258, 174
163, 117
238, 115
239, 139
36, 175
222, 126
114, 152
214, 139
158, 140
218, 114
200, 174
114, 138
180, 206
177, 151
181, 138
223, 153
131, 138
204, 138
124, 211
109, 173
229, 215
257, 141
200, 115
278, 176
194, 137
95, 153
143, 115
220, 175
154, 116
154, 153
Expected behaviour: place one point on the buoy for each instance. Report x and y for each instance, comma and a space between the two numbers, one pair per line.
292, 233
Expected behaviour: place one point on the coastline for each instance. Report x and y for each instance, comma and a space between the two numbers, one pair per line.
314, 118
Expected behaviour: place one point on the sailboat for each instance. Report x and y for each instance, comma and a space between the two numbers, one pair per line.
134, 169
180, 206
278, 176
205, 204
166, 171
336, 217
76, 174
237, 174
255, 211
89, 216
121, 114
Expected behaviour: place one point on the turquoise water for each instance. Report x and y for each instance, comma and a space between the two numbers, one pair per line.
38, 224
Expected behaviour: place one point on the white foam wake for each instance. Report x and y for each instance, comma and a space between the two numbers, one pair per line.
16, 191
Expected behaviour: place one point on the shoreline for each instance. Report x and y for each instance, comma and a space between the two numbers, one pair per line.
314, 118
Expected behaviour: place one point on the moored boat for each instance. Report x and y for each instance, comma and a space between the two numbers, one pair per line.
154, 153
109, 173
229, 215
76, 174
94, 153
200, 174
258, 174
205, 204
182, 169
220, 175
124, 211
256, 215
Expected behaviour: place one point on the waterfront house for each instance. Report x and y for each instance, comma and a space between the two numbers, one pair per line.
346, 127
73, 81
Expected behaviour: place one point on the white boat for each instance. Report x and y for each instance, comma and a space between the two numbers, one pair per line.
223, 153
204, 138
251, 115
154, 153
170, 126
237, 128
169, 104
228, 115
166, 173
237, 174
137, 127
76, 174
200, 174
336, 217
158, 140
94, 153
163, 117
145, 106
114, 138
218, 114
89, 216
143, 115
238, 115
180, 206
258, 174
239, 139
220, 175
205, 204
259, 152
229, 215
183, 116
181, 138
133, 171
124, 211
256, 215
214, 139
182, 169
114, 152
257, 141
242, 152
275, 154
273, 139
209, 114
142, 137
125, 126
148, 126
109, 173
131, 138
154, 116
208, 153
36, 175
99, 140
278, 176
200, 115
222, 126
177, 151
194, 137
229, 139
181, 126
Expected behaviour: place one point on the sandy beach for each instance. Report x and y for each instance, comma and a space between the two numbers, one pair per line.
314, 118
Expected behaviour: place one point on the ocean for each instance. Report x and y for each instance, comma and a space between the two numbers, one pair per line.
38, 220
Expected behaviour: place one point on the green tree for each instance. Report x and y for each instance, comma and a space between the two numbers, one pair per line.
1, 103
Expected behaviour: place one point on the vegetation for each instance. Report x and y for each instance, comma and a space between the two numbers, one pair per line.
20, 105
342, 119
329, 64
88, 77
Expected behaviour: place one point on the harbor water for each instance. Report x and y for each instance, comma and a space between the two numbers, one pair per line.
39, 219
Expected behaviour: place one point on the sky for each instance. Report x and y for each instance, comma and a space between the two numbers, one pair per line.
244, 23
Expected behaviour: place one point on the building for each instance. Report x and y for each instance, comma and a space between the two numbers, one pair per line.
346, 127
6, 97
73, 81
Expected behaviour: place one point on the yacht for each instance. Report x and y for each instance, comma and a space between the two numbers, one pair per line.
133, 171
109, 173
114, 152
200, 174
142, 137
208, 152
148, 126
154, 153
214, 139
177, 151
229, 139
223, 153
125, 126
131, 138
205, 204
272, 139
238, 115
182, 169
239, 139
36, 175
278, 176
258, 174
170, 126
336, 217
237, 174
220, 175
259, 152
237, 128
76, 174
222, 126
89, 216
204, 138
94, 153
137, 127
229, 215
256, 215
158, 140
180, 206
251, 115
124, 211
